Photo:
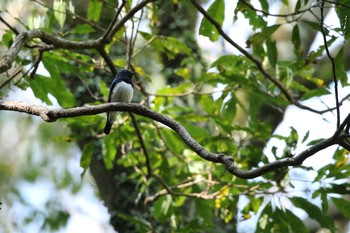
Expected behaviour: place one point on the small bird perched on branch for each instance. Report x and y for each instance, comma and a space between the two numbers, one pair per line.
121, 90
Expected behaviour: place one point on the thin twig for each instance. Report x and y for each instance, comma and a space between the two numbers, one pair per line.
101, 50
8, 25
335, 80
114, 20
143, 145
12, 76
36, 64
299, 12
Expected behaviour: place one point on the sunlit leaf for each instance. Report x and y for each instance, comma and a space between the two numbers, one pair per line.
59, 7
265, 34
316, 93
216, 11
94, 10
86, 157
7, 38
82, 29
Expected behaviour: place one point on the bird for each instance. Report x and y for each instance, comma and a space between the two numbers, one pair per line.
121, 90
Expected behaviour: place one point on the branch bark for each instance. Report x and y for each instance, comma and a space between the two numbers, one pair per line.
50, 115
8, 57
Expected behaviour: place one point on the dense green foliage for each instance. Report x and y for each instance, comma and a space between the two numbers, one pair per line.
229, 104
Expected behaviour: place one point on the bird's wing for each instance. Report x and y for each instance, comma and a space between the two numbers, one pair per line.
115, 81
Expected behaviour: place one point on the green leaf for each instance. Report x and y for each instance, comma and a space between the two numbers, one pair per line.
306, 136
324, 201
183, 72
343, 206
86, 157
339, 67
195, 131
217, 12
314, 212
209, 105
172, 140
54, 85
59, 7
171, 46
339, 189
314, 25
183, 87
109, 150
296, 41
228, 111
255, 19
82, 29
343, 13
300, 4
314, 142
271, 52
94, 10
230, 64
264, 5
264, 223
265, 34
315, 93
7, 38
295, 223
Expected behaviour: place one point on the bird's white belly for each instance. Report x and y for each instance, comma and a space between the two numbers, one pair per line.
122, 92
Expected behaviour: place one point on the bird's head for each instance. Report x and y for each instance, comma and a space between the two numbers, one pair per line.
126, 73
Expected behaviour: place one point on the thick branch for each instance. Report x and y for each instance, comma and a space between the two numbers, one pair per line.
51, 115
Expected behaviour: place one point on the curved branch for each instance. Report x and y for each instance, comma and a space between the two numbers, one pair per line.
51, 115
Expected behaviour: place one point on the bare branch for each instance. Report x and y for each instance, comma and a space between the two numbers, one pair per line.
51, 115
143, 145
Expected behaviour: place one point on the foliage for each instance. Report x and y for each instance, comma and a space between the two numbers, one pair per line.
230, 104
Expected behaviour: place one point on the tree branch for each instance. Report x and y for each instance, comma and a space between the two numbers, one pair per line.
335, 80
128, 16
8, 57
51, 115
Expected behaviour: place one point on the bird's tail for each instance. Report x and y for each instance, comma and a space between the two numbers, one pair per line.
107, 127
110, 119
